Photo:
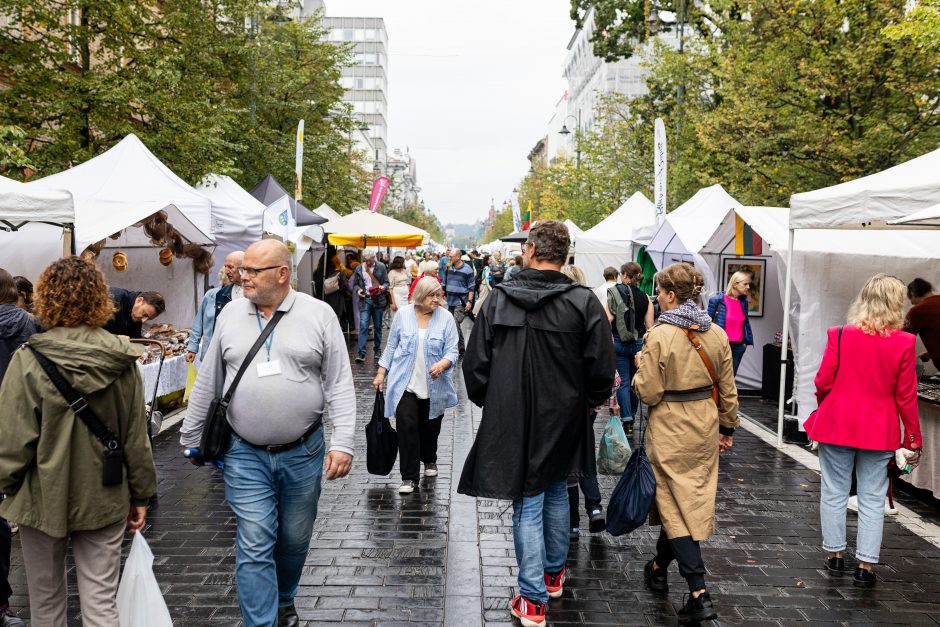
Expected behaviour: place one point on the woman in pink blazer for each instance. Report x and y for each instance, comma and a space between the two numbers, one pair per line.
866, 382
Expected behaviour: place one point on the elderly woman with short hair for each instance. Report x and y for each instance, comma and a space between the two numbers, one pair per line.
418, 358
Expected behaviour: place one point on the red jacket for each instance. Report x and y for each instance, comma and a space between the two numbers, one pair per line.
862, 388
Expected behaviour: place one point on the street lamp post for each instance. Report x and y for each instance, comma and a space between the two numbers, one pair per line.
564, 131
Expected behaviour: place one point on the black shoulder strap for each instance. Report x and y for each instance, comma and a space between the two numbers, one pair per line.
251, 354
838, 353
77, 402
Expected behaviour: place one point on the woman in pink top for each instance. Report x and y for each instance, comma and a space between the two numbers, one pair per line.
865, 383
729, 311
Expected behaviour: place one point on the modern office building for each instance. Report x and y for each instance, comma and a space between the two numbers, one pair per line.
366, 81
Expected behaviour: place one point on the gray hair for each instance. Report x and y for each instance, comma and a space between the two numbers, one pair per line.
426, 286
429, 267
368, 254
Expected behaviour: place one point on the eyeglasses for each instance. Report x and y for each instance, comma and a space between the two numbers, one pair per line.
244, 271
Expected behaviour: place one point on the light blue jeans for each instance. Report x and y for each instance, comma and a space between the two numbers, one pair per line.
871, 473
369, 313
274, 497
540, 534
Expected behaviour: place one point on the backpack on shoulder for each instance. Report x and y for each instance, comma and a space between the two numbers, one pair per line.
621, 304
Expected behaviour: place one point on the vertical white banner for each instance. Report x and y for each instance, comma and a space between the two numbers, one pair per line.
516, 216
659, 169
299, 163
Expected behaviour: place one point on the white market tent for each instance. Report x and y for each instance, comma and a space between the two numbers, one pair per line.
236, 217
327, 212
826, 283
120, 188
683, 234
39, 222
614, 240
929, 217
279, 221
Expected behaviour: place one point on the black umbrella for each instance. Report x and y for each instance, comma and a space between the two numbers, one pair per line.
518, 236
269, 190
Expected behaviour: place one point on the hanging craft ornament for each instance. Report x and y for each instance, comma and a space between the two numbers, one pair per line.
119, 261
166, 256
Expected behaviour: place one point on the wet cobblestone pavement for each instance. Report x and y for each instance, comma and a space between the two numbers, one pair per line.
438, 558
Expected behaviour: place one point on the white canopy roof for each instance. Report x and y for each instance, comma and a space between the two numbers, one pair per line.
626, 223
693, 222
871, 201
574, 231
925, 218
326, 211
123, 186
21, 203
236, 216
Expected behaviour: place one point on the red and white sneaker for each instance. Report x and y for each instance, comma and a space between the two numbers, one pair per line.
555, 583
529, 613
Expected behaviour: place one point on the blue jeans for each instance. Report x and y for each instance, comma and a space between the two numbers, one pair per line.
274, 497
871, 472
370, 314
540, 534
737, 354
626, 353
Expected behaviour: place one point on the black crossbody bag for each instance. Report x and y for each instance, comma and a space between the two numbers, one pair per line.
216, 432
112, 458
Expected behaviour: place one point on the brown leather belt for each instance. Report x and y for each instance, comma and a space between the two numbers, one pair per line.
681, 396
280, 448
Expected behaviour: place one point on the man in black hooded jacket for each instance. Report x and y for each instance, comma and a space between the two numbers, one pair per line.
553, 335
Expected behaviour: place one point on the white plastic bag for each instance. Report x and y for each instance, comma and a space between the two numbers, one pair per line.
139, 601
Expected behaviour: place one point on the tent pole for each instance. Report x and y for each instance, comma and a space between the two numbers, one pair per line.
784, 340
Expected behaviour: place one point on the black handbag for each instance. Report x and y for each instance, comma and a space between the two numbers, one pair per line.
112, 458
381, 440
632, 498
216, 431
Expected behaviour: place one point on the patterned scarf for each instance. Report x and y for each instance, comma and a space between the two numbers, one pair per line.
686, 315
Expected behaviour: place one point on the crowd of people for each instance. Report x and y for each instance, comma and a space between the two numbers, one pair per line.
675, 354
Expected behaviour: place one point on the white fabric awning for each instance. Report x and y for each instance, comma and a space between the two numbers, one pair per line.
926, 218
872, 201
21, 203
636, 215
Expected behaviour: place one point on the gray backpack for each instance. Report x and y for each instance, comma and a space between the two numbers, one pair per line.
624, 312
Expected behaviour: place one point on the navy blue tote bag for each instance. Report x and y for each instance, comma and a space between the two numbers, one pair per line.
630, 503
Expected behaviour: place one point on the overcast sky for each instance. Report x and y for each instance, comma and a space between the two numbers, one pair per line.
472, 86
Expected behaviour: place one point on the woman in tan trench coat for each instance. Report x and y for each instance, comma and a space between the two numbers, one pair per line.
688, 426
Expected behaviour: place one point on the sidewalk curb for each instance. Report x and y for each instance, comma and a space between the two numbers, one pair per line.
906, 518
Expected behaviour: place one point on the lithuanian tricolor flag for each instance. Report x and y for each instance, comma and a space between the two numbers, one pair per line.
527, 218
746, 240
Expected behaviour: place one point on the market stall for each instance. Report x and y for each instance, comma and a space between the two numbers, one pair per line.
269, 190
365, 228
615, 240
306, 242
36, 227
236, 218
855, 217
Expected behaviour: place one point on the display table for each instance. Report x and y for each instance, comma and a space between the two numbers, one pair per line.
927, 474
172, 378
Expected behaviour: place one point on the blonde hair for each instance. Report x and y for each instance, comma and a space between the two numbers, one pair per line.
681, 278
737, 277
877, 309
426, 286
574, 273
429, 267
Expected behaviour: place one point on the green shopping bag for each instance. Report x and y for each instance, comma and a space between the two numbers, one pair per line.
614, 450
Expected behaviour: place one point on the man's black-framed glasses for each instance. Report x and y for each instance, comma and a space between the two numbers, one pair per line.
245, 271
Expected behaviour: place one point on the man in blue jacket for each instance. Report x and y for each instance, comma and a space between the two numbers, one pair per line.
459, 285
212, 305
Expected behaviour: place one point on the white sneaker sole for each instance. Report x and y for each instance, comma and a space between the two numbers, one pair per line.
430, 473
408, 490
557, 594
525, 621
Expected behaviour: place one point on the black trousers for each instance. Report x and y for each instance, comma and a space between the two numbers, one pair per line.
417, 435
460, 314
687, 553
6, 547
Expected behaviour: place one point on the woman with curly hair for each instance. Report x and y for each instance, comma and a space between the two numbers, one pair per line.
51, 463
686, 378
866, 381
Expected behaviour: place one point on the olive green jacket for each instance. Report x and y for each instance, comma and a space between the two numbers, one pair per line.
50, 463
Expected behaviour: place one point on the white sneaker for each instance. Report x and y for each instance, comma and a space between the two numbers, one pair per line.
430, 470
890, 511
407, 487
853, 503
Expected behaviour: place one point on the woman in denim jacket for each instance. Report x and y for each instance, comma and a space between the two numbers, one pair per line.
419, 356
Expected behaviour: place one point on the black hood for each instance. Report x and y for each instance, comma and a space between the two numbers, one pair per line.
531, 289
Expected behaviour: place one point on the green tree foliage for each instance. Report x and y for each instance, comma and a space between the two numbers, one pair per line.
12, 154
209, 86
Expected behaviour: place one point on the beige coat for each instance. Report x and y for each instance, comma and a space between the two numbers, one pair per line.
682, 438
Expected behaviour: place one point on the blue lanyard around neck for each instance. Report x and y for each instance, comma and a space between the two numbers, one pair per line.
268, 342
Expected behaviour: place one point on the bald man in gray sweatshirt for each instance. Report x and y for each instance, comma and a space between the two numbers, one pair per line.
275, 463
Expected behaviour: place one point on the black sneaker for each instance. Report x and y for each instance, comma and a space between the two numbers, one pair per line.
835, 566
361, 357
575, 533
598, 521
430, 470
864, 578
697, 609
628, 428
657, 581
287, 617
